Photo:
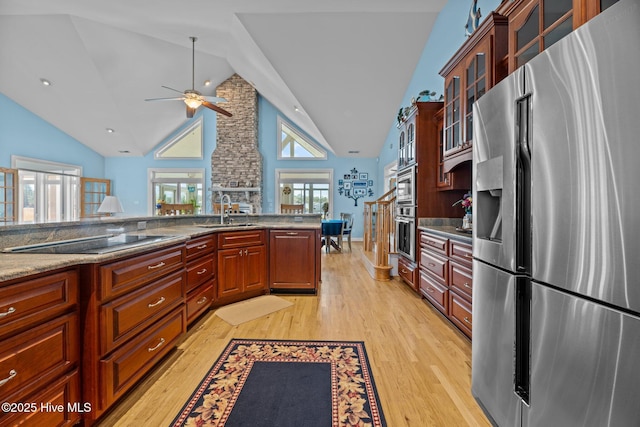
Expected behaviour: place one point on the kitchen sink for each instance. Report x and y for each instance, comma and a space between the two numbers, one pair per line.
90, 245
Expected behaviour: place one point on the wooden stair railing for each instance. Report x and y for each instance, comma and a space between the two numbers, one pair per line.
379, 232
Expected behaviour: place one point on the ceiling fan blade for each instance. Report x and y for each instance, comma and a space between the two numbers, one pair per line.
170, 88
190, 112
217, 109
213, 98
164, 99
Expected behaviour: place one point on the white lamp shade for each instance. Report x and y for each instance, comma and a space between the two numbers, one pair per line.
110, 204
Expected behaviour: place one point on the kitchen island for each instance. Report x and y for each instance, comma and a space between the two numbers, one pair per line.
129, 308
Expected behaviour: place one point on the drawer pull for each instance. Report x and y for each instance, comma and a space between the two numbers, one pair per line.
468, 255
466, 319
201, 246
204, 270
153, 304
152, 349
430, 290
290, 233
8, 312
202, 300
153, 267
12, 374
404, 271
466, 285
431, 264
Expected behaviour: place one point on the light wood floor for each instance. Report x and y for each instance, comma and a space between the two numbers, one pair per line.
421, 364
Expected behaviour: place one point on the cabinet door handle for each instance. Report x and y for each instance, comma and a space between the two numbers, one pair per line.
12, 374
290, 233
153, 304
8, 312
152, 349
466, 319
204, 270
202, 300
201, 246
246, 251
240, 252
153, 267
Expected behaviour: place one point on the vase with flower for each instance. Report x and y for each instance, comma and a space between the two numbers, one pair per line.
467, 203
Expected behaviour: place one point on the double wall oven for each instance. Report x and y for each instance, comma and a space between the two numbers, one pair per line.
406, 212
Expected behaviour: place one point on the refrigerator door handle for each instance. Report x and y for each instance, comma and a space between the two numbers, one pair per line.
522, 375
523, 185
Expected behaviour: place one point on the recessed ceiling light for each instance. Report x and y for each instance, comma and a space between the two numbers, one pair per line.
124, 151
353, 151
207, 82
109, 130
45, 82
295, 107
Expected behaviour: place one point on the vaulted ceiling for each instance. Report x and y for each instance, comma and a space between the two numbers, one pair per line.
337, 68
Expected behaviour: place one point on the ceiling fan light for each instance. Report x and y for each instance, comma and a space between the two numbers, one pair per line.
193, 102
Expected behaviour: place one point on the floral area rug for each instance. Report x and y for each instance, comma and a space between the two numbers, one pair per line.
269, 383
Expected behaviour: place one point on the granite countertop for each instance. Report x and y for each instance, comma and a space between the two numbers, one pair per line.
16, 265
447, 227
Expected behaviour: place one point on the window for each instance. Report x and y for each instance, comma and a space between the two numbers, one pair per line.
47, 191
8, 192
292, 145
177, 186
92, 193
186, 145
309, 187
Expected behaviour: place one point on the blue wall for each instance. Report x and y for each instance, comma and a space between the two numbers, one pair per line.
267, 142
129, 174
449, 28
22, 133
25, 134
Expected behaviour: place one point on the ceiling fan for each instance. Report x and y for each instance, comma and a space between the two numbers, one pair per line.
192, 97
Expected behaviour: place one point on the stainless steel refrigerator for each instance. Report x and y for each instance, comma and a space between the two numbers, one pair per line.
556, 239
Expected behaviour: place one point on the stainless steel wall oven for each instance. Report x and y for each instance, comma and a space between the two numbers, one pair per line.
406, 231
406, 187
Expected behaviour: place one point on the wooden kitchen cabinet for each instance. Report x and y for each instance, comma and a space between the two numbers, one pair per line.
445, 277
534, 25
40, 347
293, 259
134, 313
407, 271
202, 280
242, 265
477, 66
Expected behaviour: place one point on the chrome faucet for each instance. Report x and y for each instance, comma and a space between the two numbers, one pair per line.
223, 209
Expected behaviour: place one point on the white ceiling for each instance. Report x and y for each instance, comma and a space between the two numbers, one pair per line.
345, 64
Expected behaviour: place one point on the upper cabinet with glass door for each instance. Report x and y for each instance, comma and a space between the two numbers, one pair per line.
534, 25
478, 65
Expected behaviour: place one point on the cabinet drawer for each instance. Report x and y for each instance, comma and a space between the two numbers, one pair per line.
436, 293
200, 271
30, 360
461, 252
460, 313
461, 280
439, 244
200, 246
407, 271
129, 363
126, 316
28, 303
234, 239
122, 276
436, 264
63, 393
199, 301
